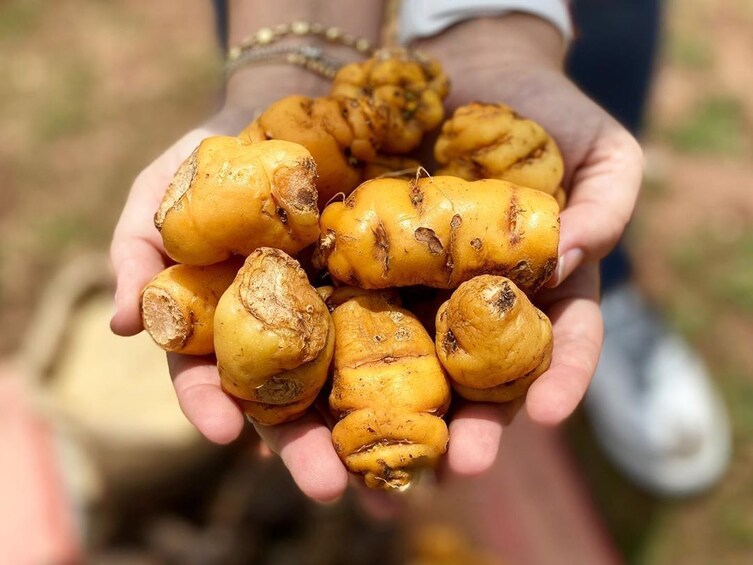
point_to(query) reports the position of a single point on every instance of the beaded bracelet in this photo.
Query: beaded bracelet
(258, 49)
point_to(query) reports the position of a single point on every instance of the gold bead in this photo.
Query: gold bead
(300, 27)
(363, 45)
(264, 36)
(234, 53)
(333, 33)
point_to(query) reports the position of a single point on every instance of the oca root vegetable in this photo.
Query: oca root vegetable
(409, 85)
(274, 338)
(342, 135)
(492, 141)
(440, 232)
(491, 340)
(231, 197)
(389, 390)
(178, 305)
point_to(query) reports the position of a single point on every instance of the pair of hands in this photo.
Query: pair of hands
(604, 167)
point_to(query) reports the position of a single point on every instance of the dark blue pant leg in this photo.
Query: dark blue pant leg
(612, 60)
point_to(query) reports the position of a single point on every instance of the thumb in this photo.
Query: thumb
(604, 190)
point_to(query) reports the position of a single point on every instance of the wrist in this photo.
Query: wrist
(253, 88)
(512, 42)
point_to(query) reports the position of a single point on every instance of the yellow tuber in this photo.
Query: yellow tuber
(341, 134)
(177, 306)
(273, 337)
(491, 340)
(231, 197)
(440, 232)
(388, 391)
(492, 141)
(409, 85)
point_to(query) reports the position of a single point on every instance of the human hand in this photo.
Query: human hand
(137, 255)
(517, 60)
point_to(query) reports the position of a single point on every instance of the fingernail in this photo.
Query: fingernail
(566, 264)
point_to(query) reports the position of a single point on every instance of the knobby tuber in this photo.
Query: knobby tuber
(178, 305)
(388, 391)
(491, 340)
(231, 197)
(409, 85)
(492, 141)
(440, 232)
(273, 337)
(342, 135)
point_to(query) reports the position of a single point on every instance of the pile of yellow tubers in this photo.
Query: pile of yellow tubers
(485, 230)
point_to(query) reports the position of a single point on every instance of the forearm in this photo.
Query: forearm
(248, 16)
(485, 47)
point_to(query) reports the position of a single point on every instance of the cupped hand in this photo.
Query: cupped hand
(137, 255)
(517, 60)
(603, 166)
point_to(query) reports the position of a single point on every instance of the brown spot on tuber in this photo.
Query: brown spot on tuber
(476, 243)
(416, 194)
(294, 187)
(504, 299)
(450, 343)
(512, 220)
(382, 247)
(403, 334)
(429, 238)
(278, 390)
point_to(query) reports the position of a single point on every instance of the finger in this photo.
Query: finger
(604, 190)
(135, 262)
(305, 447)
(202, 399)
(136, 253)
(578, 333)
(380, 505)
(475, 432)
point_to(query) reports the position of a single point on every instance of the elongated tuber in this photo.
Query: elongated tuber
(440, 232)
(274, 338)
(231, 197)
(492, 141)
(491, 340)
(388, 391)
(178, 305)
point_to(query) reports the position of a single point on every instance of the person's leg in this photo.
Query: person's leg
(652, 404)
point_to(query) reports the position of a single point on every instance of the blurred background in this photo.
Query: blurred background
(92, 91)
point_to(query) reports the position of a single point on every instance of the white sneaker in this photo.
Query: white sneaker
(652, 405)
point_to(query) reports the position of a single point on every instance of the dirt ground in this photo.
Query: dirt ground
(94, 90)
